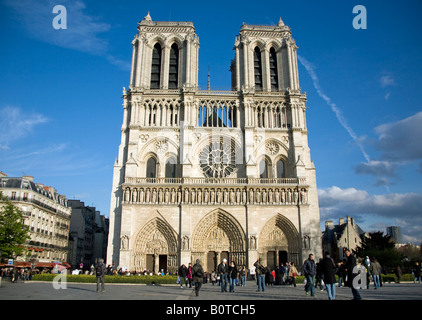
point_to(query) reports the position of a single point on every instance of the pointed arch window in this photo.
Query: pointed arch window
(171, 166)
(151, 168)
(174, 67)
(258, 68)
(263, 169)
(273, 70)
(281, 169)
(156, 67)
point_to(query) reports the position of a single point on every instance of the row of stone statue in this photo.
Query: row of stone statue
(200, 195)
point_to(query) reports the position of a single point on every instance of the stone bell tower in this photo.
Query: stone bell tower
(165, 55)
(266, 59)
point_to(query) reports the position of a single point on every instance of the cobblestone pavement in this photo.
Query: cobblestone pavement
(76, 291)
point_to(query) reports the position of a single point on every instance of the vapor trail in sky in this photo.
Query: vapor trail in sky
(310, 68)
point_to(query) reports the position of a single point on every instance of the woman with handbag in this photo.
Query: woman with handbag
(293, 273)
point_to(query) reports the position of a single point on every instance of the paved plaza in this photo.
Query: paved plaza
(33, 290)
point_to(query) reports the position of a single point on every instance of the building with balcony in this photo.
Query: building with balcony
(47, 214)
(205, 174)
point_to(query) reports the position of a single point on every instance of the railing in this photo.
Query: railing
(41, 204)
(221, 181)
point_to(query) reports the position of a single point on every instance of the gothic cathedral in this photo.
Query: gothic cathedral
(205, 174)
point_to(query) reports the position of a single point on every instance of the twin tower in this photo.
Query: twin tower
(165, 56)
(205, 174)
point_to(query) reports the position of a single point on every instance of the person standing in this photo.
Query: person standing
(183, 274)
(398, 274)
(328, 269)
(232, 275)
(223, 270)
(309, 270)
(375, 269)
(260, 275)
(213, 278)
(100, 271)
(417, 273)
(351, 274)
(244, 273)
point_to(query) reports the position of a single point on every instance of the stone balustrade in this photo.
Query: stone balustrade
(214, 195)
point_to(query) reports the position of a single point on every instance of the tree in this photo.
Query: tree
(379, 246)
(13, 232)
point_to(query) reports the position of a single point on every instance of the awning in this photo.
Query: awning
(66, 265)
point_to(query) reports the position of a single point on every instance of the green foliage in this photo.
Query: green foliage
(381, 247)
(392, 278)
(13, 232)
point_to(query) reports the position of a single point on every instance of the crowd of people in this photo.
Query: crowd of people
(25, 274)
(322, 274)
(228, 276)
(325, 274)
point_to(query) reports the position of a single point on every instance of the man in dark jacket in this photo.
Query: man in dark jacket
(183, 275)
(198, 276)
(309, 270)
(328, 269)
(351, 273)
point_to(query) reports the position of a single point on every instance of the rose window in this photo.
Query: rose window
(217, 160)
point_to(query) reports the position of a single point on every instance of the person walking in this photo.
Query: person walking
(190, 275)
(319, 278)
(351, 274)
(417, 273)
(309, 270)
(260, 275)
(223, 270)
(328, 269)
(232, 275)
(198, 276)
(183, 275)
(100, 271)
(375, 270)
(293, 274)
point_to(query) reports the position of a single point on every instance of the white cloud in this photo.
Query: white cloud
(399, 145)
(400, 140)
(377, 168)
(83, 31)
(16, 124)
(336, 202)
(387, 80)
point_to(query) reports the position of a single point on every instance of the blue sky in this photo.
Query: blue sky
(61, 108)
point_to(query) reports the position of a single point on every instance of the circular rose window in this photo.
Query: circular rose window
(217, 160)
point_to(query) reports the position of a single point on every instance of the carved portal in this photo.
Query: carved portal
(279, 238)
(155, 241)
(217, 234)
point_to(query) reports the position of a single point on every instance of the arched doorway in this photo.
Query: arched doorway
(279, 242)
(217, 236)
(155, 248)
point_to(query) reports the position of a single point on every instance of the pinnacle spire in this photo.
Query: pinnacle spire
(148, 17)
(280, 23)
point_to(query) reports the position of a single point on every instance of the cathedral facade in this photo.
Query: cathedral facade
(205, 174)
